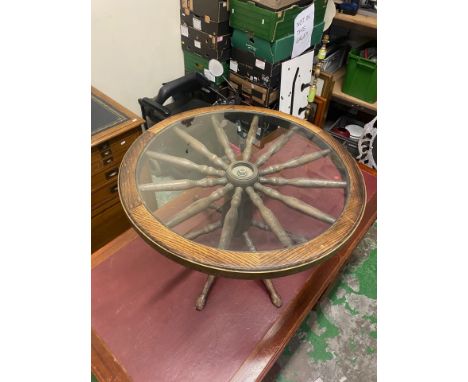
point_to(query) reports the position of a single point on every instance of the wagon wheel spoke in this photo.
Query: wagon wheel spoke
(185, 163)
(201, 148)
(303, 182)
(295, 237)
(275, 147)
(269, 218)
(295, 162)
(296, 204)
(230, 220)
(250, 139)
(182, 184)
(222, 138)
(203, 231)
(274, 296)
(199, 205)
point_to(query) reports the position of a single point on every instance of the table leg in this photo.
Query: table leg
(274, 296)
(201, 300)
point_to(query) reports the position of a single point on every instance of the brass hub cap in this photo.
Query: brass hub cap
(242, 174)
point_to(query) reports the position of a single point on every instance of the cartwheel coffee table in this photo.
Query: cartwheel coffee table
(202, 190)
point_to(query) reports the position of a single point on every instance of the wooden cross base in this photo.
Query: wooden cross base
(201, 300)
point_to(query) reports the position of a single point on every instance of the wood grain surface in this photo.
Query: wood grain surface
(237, 264)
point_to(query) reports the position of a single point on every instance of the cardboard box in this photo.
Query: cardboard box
(252, 93)
(215, 11)
(203, 23)
(195, 63)
(204, 44)
(271, 52)
(246, 64)
(277, 5)
(268, 24)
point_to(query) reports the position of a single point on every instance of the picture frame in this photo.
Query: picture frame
(319, 115)
(325, 84)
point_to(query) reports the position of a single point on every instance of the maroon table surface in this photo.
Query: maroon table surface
(146, 328)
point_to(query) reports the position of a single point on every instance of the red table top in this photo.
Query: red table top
(143, 310)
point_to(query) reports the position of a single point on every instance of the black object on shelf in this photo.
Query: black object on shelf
(349, 7)
(189, 92)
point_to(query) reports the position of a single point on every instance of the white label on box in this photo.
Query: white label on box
(260, 64)
(184, 30)
(197, 23)
(197, 44)
(303, 26)
(209, 75)
(233, 65)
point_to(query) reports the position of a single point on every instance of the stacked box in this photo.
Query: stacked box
(196, 63)
(205, 34)
(254, 94)
(263, 38)
(204, 44)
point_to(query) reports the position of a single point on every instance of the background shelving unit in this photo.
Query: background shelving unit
(339, 96)
(361, 25)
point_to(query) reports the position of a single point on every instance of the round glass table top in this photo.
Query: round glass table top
(241, 191)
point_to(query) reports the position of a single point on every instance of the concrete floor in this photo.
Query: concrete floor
(337, 341)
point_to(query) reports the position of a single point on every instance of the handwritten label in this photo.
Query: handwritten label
(184, 30)
(197, 44)
(303, 27)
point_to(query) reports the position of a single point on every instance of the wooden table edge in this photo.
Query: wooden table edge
(104, 365)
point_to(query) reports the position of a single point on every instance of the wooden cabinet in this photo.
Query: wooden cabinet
(115, 129)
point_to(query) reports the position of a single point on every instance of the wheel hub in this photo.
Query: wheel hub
(242, 173)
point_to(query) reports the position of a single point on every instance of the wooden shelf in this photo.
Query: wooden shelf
(339, 95)
(359, 20)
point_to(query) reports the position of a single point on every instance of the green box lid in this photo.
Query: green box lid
(271, 52)
(268, 24)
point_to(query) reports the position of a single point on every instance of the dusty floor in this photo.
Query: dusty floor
(337, 342)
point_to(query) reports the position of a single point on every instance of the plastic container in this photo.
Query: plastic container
(337, 130)
(361, 76)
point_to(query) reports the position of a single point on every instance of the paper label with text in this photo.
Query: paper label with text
(303, 27)
(209, 75)
(197, 23)
(260, 64)
(233, 65)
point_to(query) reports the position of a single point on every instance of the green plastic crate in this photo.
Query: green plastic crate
(268, 24)
(271, 52)
(361, 77)
(195, 63)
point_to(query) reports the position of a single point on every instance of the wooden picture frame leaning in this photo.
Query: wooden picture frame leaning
(319, 115)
